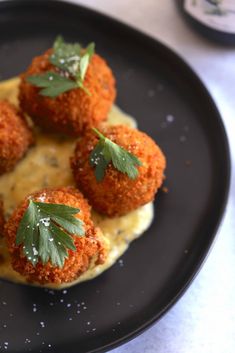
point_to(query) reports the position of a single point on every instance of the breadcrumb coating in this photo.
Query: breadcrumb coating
(117, 194)
(2, 218)
(15, 136)
(91, 247)
(73, 111)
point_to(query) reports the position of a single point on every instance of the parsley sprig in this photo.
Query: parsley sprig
(107, 151)
(46, 231)
(71, 61)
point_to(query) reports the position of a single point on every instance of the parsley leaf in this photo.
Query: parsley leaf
(52, 83)
(46, 232)
(84, 62)
(72, 61)
(107, 151)
(66, 56)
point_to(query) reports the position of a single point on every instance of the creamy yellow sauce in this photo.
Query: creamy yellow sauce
(47, 165)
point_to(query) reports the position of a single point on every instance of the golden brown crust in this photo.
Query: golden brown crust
(73, 111)
(2, 218)
(15, 136)
(117, 194)
(89, 247)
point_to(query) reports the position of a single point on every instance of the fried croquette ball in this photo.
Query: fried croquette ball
(91, 248)
(117, 194)
(75, 110)
(15, 136)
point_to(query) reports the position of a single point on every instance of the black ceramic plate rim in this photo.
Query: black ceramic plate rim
(224, 140)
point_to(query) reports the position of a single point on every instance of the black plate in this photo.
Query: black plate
(156, 86)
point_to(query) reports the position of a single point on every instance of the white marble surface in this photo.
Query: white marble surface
(204, 319)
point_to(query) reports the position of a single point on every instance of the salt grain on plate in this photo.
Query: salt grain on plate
(120, 263)
(170, 118)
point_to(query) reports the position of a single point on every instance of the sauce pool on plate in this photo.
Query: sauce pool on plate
(47, 165)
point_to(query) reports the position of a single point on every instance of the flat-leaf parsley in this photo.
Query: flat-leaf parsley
(107, 151)
(71, 62)
(46, 231)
